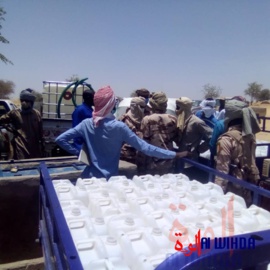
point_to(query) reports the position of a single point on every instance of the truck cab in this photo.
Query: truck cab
(6, 106)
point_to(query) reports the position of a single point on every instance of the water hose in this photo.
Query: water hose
(75, 84)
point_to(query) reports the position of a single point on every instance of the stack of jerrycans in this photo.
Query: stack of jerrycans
(134, 224)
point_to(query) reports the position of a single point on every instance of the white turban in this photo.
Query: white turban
(208, 107)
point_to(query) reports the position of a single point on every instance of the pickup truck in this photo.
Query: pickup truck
(20, 210)
(6, 106)
(52, 127)
(59, 100)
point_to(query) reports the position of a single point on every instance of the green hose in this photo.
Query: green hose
(81, 82)
(76, 83)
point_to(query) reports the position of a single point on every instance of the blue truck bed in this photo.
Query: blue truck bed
(60, 252)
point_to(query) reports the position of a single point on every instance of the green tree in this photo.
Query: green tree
(3, 39)
(6, 89)
(264, 95)
(211, 91)
(253, 91)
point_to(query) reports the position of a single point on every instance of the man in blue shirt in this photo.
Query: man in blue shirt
(104, 137)
(82, 112)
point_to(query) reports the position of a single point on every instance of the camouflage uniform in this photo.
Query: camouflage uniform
(129, 153)
(236, 148)
(27, 133)
(232, 158)
(159, 130)
(193, 136)
(145, 94)
(194, 132)
(133, 120)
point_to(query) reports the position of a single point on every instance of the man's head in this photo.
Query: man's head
(27, 99)
(208, 102)
(143, 93)
(158, 102)
(183, 111)
(183, 104)
(234, 111)
(138, 101)
(238, 112)
(88, 97)
(208, 107)
(105, 101)
(137, 107)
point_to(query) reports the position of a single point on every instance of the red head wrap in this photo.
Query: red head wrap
(104, 101)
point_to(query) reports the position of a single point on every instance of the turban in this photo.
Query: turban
(208, 107)
(185, 105)
(138, 101)
(208, 103)
(27, 95)
(158, 102)
(104, 100)
(143, 92)
(237, 109)
(137, 106)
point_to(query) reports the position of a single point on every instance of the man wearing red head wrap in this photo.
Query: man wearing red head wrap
(104, 101)
(104, 136)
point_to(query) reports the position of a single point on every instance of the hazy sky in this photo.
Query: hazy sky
(175, 46)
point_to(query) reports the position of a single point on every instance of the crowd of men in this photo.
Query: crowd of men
(146, 135)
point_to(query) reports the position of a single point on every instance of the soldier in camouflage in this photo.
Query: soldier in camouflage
(236, 148)
(133, 120)
(143, 92)
(192, 131)
(158, 129)
(193, 135)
